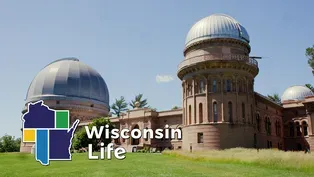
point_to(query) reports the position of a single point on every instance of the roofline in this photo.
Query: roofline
(170, 110)
(269, 100)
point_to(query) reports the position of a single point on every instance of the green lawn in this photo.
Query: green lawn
(138, 165)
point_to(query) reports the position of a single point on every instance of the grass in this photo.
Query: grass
(233, 163)
(271, 158)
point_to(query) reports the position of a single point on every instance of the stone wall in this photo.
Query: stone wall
(218, 136)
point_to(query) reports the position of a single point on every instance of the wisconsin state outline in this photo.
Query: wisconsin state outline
(39, 115)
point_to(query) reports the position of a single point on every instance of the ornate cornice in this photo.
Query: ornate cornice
(217, 42)
(218, 64)
(76, 108)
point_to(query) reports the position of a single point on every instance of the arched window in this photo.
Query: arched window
(202, 86)
(190, 115)
(214, 86)
(133, 140)
(277, 126)
(268, 126)
(230, 111)
(258, 122)
(304, 129)
(298, 129)
(200, 112)
(228, 85)
(291, 127)
(215, 112)
(243, 112)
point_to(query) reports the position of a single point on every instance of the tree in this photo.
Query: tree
(275, 97)
(81, 140)
(8, 143)
(310, 87)
(138, 98)
(309, 53)
(154, 109)
(175, 107)
(119, 106)
(1, 149)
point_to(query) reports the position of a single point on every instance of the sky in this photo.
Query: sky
(137, 45)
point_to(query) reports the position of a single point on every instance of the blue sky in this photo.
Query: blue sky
(131, 42)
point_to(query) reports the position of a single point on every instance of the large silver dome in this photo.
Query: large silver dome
(216, 26)
(295, 93)
(68, 79)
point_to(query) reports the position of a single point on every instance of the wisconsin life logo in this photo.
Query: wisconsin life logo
(50, 131)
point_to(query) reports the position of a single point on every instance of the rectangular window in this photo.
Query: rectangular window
(202, 86)
(228, 85)
(199, 137)
(214, 86)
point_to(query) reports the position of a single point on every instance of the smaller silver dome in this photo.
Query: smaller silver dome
(295, 93)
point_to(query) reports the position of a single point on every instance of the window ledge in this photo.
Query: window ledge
(200, 94)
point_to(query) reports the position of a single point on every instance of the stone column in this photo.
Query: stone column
(206, 102)
(209, 100)
(185, 102)
(310, 115)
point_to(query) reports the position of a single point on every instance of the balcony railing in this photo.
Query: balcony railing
(217, 57)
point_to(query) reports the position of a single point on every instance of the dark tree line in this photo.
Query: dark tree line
(9, 143)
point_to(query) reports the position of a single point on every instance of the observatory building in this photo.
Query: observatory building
(220, 107)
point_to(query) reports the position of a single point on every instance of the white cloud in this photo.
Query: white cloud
(163, 78)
